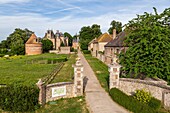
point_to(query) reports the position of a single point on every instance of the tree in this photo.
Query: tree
(88, 33)
(70, 38)
(115, 25)
(47, 45)
(149, 47)
(3, 44)
(16, 41)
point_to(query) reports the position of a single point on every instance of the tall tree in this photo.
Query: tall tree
(88, 33)
(115, 25)
(149, 47)
(16, 41)
(47, 45)
(70, 38)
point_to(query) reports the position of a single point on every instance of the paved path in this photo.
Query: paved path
(97, 98)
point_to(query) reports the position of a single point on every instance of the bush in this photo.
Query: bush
(155, 103)
(56, 60)
(1, 55)
(86, 52)
(18, 98)
(72, 49)
(130, 102)
(142, 96)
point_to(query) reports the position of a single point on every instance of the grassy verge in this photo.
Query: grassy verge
(100, 69)
(16, 70)
(67, 72)
(101, 72)
(72, 105)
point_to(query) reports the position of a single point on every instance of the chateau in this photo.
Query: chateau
(58, 39)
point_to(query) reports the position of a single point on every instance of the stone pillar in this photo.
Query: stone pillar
(166, 99)
(42, 92)
(78, 78)
(114, 70)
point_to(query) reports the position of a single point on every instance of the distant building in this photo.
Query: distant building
(90, 45)
(75, 43)
(114, 47)
(33, 46)
(100, 42)
(58, 39)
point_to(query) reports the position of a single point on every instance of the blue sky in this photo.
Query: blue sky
(70, 15)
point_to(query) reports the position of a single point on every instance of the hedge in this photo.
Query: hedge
(56, 60)
(130, 102)
(86, 52)
(17, 98)
(155, 103)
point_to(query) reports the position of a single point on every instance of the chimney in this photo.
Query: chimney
(114, 34)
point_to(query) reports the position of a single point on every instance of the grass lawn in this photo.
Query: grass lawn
(67, 72)
(100, 69)
(72, 105)
(15, 69)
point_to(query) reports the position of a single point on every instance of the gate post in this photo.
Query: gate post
(78, 78)
(114, 70)
(42, 93)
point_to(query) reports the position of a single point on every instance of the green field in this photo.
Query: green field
(72, 105)
(100, 69)
(67, 72)
(16, 70)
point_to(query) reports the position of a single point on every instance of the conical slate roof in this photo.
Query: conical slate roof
(32, 39)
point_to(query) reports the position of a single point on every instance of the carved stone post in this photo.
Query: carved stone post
(78, 78)
(114, 70)
(42, 93)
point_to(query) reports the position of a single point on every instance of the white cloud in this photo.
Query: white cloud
(40, 24)
(12, 1)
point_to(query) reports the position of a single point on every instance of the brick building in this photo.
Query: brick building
(33, 46)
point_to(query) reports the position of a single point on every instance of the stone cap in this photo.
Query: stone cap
(40, 82)
(78, 63)
(114, 65)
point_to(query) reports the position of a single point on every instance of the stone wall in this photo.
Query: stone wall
(65, 50)
(129, 86)
(158, 88)
(68, 87)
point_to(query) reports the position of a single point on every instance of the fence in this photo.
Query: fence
(50, 92)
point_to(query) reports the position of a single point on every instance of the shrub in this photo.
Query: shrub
(154, 103)
(18, 98)
(130, 102)
(1, 55)
(56, 60)
(86, 52)
(72, 49)
(142, 96)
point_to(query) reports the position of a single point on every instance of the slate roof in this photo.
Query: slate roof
(118, 41)
(103, 38)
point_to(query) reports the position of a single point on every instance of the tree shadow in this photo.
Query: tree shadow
(107, 80)
(85, 79)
